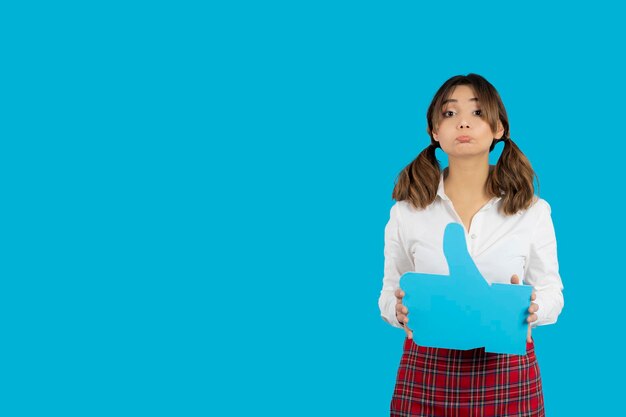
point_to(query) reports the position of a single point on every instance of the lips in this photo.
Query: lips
(463, 139)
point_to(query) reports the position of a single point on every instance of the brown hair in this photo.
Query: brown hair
(511, 178)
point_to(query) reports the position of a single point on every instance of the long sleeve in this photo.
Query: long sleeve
(397, 262)
(542, 269)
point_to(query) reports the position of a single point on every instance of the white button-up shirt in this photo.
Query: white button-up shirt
(500, 245)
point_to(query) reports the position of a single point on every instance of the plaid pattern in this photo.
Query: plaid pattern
(466, 383)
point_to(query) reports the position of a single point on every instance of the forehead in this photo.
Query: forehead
(461, 94)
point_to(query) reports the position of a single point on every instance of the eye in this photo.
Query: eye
(448, 113)
(478, 112)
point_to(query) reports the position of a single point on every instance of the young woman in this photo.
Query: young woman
(509, 234)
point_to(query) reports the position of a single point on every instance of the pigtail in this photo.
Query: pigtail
(512, 179)
(418, 182)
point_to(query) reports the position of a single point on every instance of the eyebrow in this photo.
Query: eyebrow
(451, 100)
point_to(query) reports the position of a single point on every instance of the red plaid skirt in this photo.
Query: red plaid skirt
(463, 383)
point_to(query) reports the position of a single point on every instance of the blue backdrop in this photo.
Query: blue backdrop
(194, 196)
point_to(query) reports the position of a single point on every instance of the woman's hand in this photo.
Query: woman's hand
(402, 313)
(532, 309)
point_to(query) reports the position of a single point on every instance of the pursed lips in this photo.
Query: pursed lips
(463, 139)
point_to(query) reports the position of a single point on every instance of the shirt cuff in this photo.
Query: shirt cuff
(544, 314)
(388, 309)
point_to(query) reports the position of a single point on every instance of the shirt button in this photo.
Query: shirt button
(473, 236)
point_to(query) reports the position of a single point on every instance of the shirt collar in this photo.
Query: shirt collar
(440, 191)
(442, 194)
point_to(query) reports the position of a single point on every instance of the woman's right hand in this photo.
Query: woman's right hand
(402, 313)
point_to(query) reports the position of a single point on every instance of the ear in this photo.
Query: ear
(435, 135)
(498, 134)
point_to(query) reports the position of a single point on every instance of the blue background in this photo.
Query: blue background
(194, 195)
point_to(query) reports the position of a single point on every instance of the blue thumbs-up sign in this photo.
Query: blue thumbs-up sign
(462, 310)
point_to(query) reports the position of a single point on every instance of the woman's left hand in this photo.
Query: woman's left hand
(531, 310)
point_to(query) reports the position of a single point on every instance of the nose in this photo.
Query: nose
(463, 124)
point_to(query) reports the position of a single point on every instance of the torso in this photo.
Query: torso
(498, 244)
(467, 210)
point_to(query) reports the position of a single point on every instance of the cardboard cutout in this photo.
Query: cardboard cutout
(462, 310)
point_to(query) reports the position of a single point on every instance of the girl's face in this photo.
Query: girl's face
(463, 131)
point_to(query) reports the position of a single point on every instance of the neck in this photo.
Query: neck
(467, 178)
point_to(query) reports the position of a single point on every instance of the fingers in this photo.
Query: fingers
(402, 318)
(401, 310)
(532, 310)
(409, 332)
(404, 321)
(402, 313)
(533, 307)
(529, 338)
